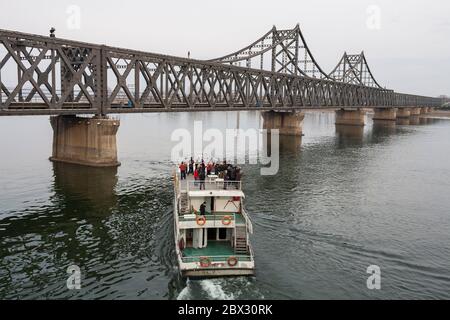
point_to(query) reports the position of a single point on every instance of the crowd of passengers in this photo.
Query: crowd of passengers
(200, 170)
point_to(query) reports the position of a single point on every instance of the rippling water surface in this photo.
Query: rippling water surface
(344, 199)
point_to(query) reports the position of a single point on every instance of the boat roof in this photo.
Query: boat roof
(216, 193)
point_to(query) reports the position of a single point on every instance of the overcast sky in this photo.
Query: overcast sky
(407, 43)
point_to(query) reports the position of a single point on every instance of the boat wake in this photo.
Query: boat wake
(214, 290)
(186, 293)
(220, 289)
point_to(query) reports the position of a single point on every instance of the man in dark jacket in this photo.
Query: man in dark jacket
(191, 166)
(202, 176)
(203, 209)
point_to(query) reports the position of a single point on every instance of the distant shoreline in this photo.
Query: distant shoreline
(436, 113)
(440, 113)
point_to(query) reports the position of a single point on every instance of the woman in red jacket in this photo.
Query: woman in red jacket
(196, 175)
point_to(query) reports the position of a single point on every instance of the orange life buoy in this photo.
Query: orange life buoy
(226, 221)
(201, 220)
(232, 261)
(205, 262)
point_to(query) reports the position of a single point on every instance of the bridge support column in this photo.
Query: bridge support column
(385, 114)
(414, 120)
(85, 141)
(350, 117)
(403, 112)
(404, 121)
(415, 111)
(289, 123)
(423, 110)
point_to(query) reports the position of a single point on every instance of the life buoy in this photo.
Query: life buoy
(227, 220)
(201, 220)
(205, 262)
(236, 198)
(232, 261)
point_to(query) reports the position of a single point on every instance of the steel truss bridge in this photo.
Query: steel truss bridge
(48, 75)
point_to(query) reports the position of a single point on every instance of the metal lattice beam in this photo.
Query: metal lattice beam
(354, 69)
(45, 75)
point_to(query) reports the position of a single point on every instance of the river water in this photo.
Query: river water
(343, 200)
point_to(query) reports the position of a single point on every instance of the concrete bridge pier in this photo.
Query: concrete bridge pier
(85, 141)
(415, 111)
(385, 114)
(423, 110)
(404, 121)
(414, 120)
(350, 117)
(289, 123)
(403, 113)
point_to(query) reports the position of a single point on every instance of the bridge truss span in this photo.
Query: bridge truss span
(46, 75)
(280, 51)
(354, 69)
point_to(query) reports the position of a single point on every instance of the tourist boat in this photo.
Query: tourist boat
(215, 244)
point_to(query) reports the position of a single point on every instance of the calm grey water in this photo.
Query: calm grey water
(343, 200)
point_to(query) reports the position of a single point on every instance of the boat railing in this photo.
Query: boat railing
(248, 221)
(218, 219)
(250, 250)
(211, 184)
(177, 183)
(223, 259)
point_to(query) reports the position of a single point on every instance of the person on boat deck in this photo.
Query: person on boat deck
(209, 168)
(196, 175)
(183, 168)
(191, 166)
(225, 179)
(202, 177)
(203, 209)
(238, 176)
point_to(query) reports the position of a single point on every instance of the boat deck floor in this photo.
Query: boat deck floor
(214, 248)
(184, 183)
(215, 251)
